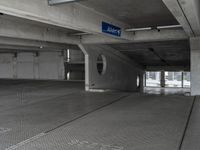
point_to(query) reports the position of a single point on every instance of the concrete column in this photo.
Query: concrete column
(142, 81)
(36, 66)
(61, 68)
(145, 80)
(195, 66)
(182, 78)
(87, 66)
(15, 66)
(162, 79)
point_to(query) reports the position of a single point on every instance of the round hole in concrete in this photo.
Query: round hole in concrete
(138, 81)
(101, 64)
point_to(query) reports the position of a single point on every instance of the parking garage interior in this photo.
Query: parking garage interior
(99, 75)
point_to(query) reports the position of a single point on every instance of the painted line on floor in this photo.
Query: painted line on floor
(187, 123)
(26, 141)
(14, 147)
(115, 101)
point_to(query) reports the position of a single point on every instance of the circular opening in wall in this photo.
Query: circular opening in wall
(101, 64)
(138, 81)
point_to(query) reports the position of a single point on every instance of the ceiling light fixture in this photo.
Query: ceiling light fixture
(169, 27)
(56, 2)
(79, 34)
(138, 29)
(152, 28)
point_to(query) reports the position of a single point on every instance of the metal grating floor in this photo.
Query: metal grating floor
(137, 122)
(37, 110)
(192, 136)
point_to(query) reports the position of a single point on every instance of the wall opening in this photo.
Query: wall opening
(74, 65)
(101, 64)
(153, 79)
(186, 80)
(138, 81)
(172, 79)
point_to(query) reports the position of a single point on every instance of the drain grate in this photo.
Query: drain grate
(4, 130)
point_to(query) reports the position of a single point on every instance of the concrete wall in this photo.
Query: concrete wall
(26, 65)
(195, 66)
(6, 66)
(120, 74)
(51, 66)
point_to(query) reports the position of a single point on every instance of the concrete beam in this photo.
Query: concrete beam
(139, 36)
(80, 18)
(22, 30)
(167, 68)
(16, 43)
(13, 48)
(191, 9)
(187, 14)
(71, 16)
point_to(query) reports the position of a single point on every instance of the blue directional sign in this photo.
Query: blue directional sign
(111, 29)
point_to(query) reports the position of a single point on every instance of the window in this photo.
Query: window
(173, 79)
(138, 81)
(153, 79)
(186, 79)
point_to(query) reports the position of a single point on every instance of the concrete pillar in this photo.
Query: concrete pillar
(162, 79)
(61, 68)
(15, 66)
(142, 81)
(195, 66)
(87, 66)
(145, 80)
(182, 78)
(36, 66)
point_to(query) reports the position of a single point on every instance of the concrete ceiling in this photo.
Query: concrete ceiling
(48, 26)
(10, 44)
(137, 13)
(170, 53)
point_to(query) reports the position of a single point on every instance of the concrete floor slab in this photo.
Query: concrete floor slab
(15, 93)
(192, 136)
(46, 108)
(167, 91)
(135, 123)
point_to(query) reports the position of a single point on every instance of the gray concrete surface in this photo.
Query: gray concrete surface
(128, 12)
(134, 123)
(195, 66)
(31, 107)
(192, 135)
(175, 53)
(166, 91)
(60, 115)
(39, 115)
(26, 65)
(187, 14)
(120, 72)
